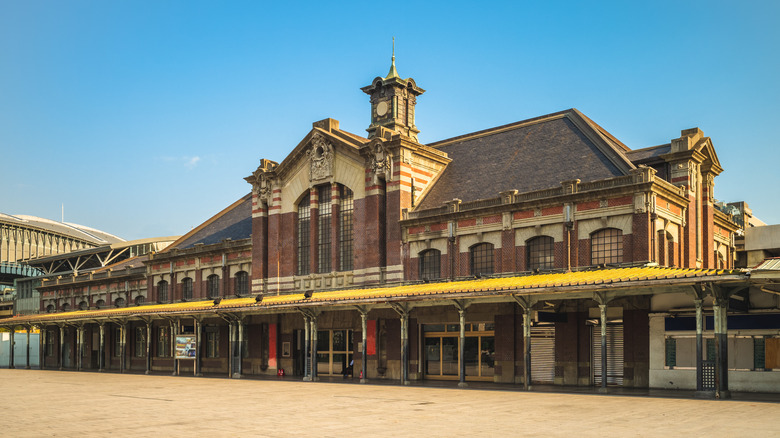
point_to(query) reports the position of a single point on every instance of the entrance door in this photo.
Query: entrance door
(614, 354)
(334, 352)
(442, 346)
(543, 354)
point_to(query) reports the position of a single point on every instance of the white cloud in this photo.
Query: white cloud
(191, 162)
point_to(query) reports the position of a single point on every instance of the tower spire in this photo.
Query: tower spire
(393, 73)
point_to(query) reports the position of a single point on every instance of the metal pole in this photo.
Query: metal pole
(364, 352)
(314, 349)
(405, 347)
(527, 347)
(699, 331)
(79, 345)
(122, 345)
(42, 347)
(61, 356)
(11, 350)
(102, 349)
(232, 358)
(603, 309)
(306, 349)
(240, 344)
(198, 330)
(173, 348)
(462, 349)
(27, 364)
(149, 347)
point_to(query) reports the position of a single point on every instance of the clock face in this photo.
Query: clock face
(381, 108)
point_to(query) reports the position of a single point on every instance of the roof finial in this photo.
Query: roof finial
(392, 73)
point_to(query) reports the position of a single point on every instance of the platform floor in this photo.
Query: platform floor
(67, 403)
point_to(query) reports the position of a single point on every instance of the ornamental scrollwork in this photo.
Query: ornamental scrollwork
(321, 158)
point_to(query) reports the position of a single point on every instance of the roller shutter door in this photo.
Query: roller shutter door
(614, 354)
(542, 354)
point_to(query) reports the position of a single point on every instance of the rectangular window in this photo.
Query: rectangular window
(164, 342)
(212, 342)
(759, 362)
(304, 219)
(345, 229)
(140, 342)
(671, 352)
(710, 347)
(323, 230)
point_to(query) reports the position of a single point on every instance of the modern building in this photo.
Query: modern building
(540, 252)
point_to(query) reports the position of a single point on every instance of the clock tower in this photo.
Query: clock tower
(392, 104)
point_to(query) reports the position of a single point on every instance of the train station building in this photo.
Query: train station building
(540, 252)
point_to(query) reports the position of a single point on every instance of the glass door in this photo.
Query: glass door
(334, 352)
(441, 344)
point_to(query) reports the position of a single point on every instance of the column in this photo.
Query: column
(198, 337)
(11, 350)
(720, 309)
(148, 347)
(314, 349)
(699, 330)
(27, 364)
(364, 352)
(102, 349)
(42, 348)
(527, 347)
(240, 347)
(122, 346)
(232, 348)
(306, 349)
(405, 347)
(61, 356)
(462, 349)
(79, 346)
(603, 309)
(173, 348)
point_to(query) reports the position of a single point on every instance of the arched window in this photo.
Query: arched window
(83, 305)
(100, 304)
(140, 300)
(50, 308)
(323, 229)
(481, 259)
(186, 289)
(119, 302)
(345, 229)
(66, 307)
(242, 283)
(212, 286)
(162, 291)
(430, 264)
(541, 253)
(606, 246)
(304, 218)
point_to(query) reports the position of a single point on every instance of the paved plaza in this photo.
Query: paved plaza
(65, 404)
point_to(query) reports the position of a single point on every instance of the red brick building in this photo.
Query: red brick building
(461, 259)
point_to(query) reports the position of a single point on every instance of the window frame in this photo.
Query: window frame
(540, 253)
(429, 264)
(162, 291)
(606, 246)
(483, 253)
(212, 287)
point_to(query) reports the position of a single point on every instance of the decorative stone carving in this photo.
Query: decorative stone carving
(321, 158)
(262, 179)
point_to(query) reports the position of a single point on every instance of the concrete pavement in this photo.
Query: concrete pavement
(88, 404)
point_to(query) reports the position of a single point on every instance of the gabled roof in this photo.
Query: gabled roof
(234, 222)
(529, 155)
(646, 155)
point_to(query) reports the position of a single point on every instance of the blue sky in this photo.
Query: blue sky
(143, 117)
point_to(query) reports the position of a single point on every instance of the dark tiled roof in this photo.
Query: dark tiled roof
(234, 222)
(648, 154)
(535, 154)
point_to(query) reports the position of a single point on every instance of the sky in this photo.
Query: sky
(142, 118)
